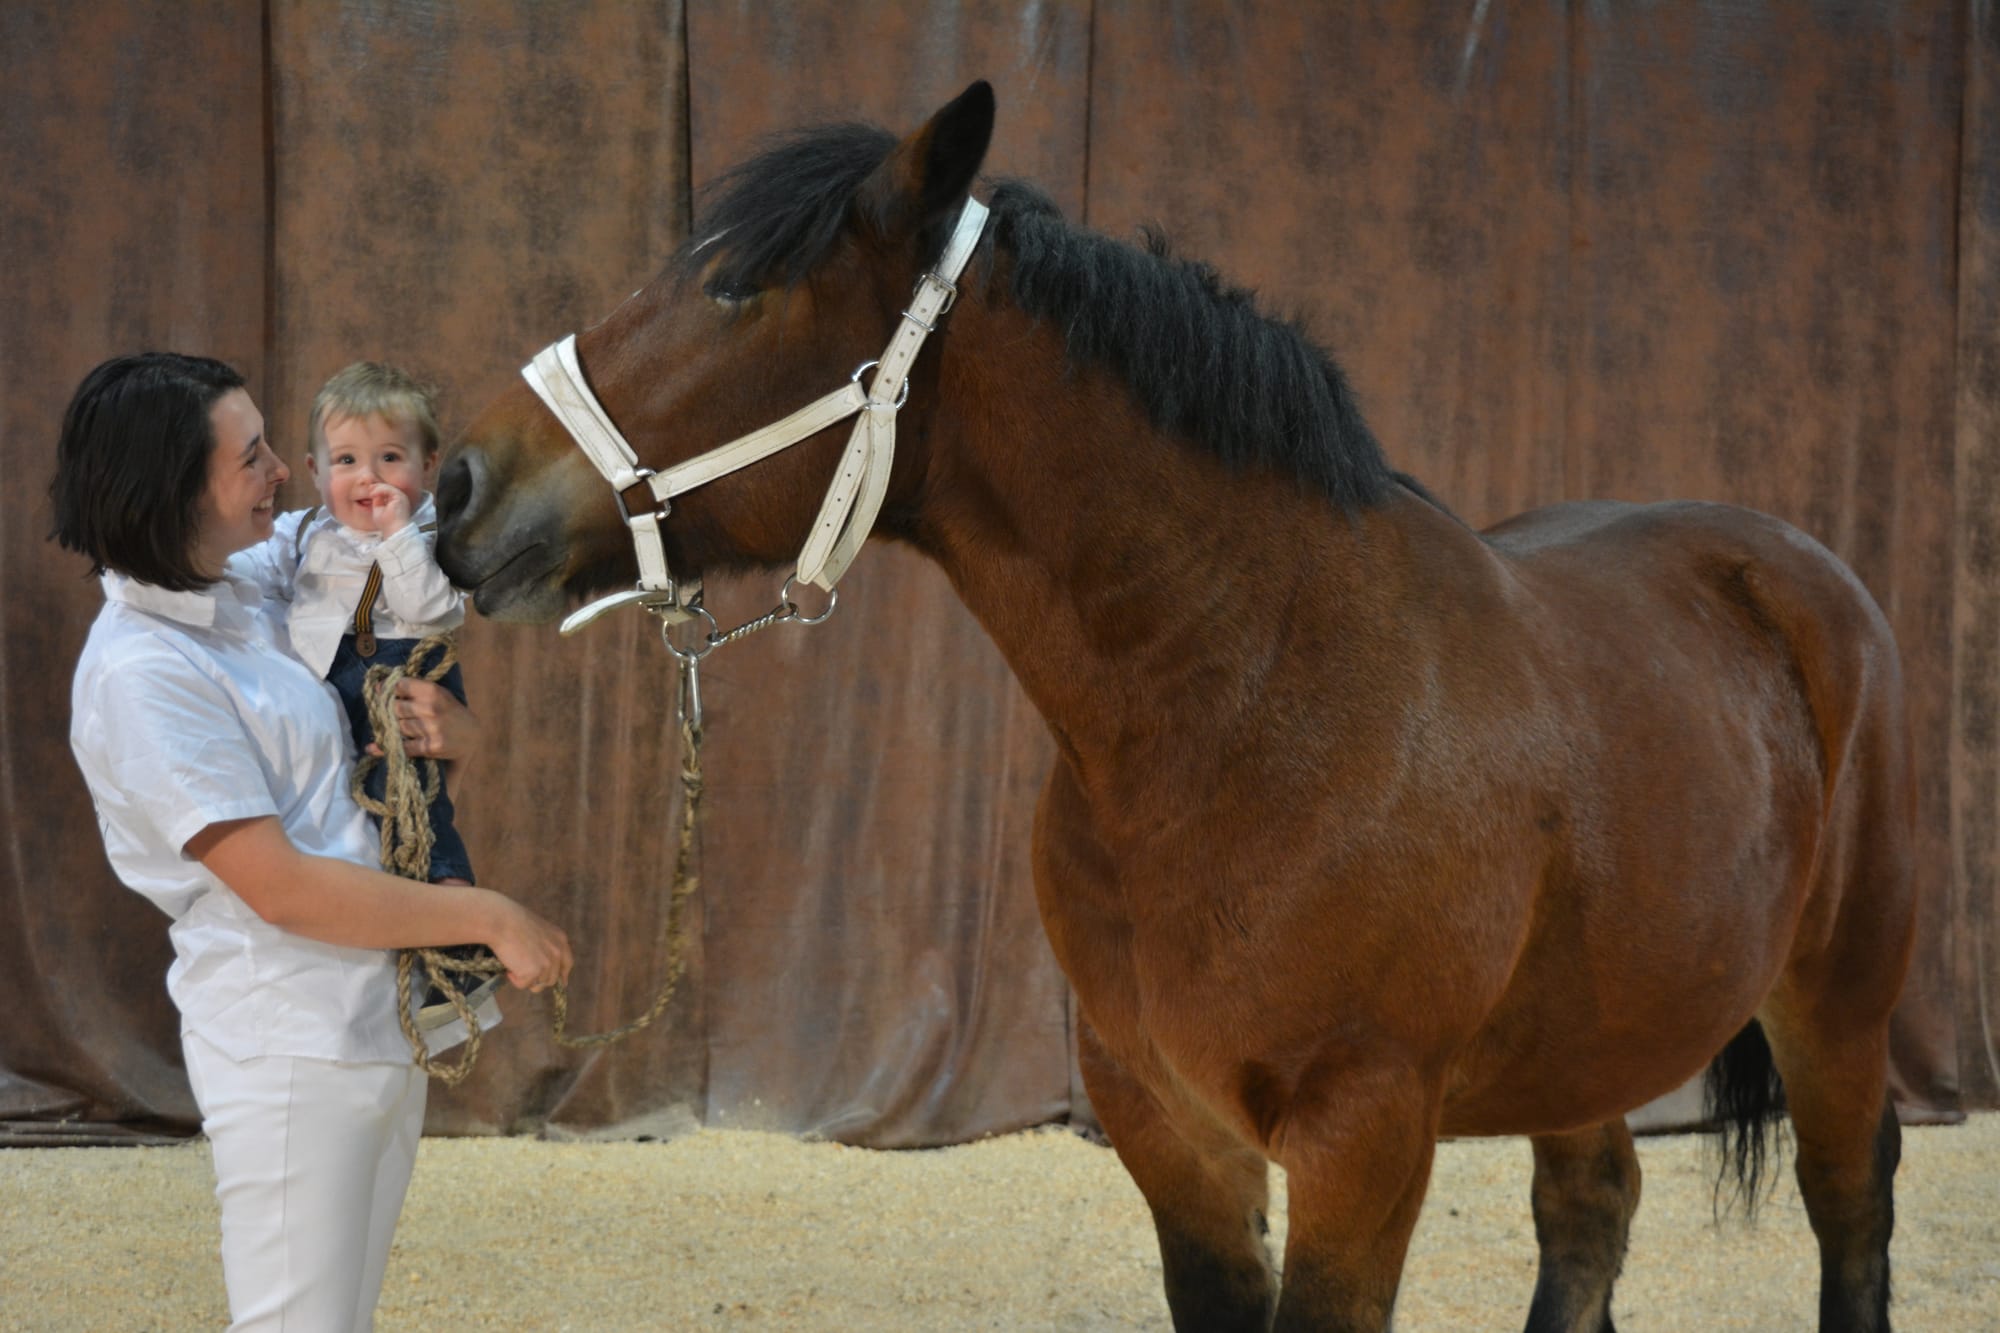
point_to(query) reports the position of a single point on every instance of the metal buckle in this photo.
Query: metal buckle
(902, 395)
(672, 605)
(950, 291)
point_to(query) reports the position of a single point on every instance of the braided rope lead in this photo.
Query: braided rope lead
(412, 783)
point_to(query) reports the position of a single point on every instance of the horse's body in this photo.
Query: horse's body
(1364, 827)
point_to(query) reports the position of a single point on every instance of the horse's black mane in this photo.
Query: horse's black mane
(1198, 356)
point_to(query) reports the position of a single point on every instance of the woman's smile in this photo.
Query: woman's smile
(239, 506)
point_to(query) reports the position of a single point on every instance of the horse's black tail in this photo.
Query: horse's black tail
(1743, 1099)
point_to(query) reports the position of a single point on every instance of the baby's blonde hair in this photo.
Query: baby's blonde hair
(375, 389)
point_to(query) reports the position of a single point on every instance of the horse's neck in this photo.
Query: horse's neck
(1148, 599)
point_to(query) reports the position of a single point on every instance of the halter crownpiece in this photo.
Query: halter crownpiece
(859, 484)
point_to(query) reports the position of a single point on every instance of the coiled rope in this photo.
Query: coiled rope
(412, 783)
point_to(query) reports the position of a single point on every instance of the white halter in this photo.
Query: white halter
(859, 484)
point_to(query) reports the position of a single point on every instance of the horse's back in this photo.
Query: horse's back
(1784, 587)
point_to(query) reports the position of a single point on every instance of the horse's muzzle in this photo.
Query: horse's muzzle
(504, 559)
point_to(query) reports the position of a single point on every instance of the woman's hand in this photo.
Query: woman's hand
(535, 952)
(435, 725)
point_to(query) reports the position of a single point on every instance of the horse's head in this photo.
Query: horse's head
(798, 272)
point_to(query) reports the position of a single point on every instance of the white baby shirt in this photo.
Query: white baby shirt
(321, 567)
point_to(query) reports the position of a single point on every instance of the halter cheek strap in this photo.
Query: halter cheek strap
(860, 482)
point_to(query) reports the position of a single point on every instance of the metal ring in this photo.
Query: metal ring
(785, 599)
(708, 640)
(866, 366)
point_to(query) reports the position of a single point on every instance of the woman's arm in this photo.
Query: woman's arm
(338, 902)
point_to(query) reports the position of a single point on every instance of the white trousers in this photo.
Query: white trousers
(312, 1159)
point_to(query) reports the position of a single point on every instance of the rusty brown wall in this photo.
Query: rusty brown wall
(1973, 761)
(133, 215)
(1701, 250)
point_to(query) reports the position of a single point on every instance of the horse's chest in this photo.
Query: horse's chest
(1161, 937)
(1161, 988)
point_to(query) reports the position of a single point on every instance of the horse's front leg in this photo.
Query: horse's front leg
(1207, 1192)
(1357, 1160)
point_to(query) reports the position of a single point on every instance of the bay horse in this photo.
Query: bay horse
(1364, 827)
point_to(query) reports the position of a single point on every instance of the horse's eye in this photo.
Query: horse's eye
(729, 293)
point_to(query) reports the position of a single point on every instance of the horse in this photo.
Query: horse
(1363, 827)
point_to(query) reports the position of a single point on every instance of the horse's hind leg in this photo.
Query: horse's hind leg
(1207, 1194)
(1848, 1145)
(1586, 1190)
(1827, 1026)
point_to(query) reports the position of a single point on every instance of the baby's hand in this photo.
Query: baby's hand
(390, 507)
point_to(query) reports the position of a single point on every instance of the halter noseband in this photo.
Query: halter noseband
(859, 483)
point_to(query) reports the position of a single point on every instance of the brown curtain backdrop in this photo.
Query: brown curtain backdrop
(1562, 252)
(1970, 888)
(133, 215)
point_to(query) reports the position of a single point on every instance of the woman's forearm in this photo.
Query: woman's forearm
(338, 902)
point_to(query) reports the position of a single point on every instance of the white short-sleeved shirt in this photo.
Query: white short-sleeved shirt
(321, 567)
(188, 711)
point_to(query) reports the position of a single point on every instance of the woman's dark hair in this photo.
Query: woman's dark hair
(132, 465)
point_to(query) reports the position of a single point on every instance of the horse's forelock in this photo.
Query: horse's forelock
(770, 220)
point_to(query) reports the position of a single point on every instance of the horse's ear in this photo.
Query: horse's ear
(918, 190)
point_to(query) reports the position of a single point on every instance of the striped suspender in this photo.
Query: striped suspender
(364, 610)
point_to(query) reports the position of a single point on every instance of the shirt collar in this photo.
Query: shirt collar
(221, 603)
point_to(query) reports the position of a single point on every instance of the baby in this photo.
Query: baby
(364, 585)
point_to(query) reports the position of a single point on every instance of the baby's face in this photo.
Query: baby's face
(359, 457)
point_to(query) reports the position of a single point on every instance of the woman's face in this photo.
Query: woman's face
(243, 480)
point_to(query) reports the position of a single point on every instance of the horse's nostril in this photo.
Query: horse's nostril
(454, 489)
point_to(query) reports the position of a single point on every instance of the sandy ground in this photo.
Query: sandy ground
(1032, 1231)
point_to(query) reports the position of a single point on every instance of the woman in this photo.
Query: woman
(219, 765)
